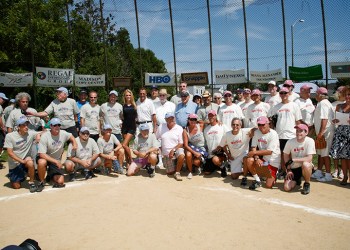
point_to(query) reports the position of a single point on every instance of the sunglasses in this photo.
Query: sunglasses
(57, 125)
(217, 98)
(92, 97)
(287, 86)
(283, 93)
(193, 119)
(227, 95)
(85, 133)
(261, 125)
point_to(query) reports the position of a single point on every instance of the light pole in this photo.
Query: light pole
(292, 30)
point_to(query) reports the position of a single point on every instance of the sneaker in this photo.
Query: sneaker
(72, 177)
(40, 187)
(150, 172)
(106, 171)
(87, 174)
(92, 174)
(189, 176)
(281, 175)
(306, 188)
(326, 178)
(198, 171)
(341, 174)
(57, 185)
(317, 174)
(244, 182)
(335, 174)
(32, 187)
(223, 172)
(177, 176)
(255, 185)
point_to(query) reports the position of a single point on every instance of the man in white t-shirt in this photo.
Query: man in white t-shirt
(51, 147)
(236, 145)
(146, 113)
(213, 134)
(274, 97)
(298, 153)
(229, 110)
(256, 109)
(306, 106)
(217, 98)
(265, 152)
(90, 116)
(323, 117)
(244, 106)
(111, 113)
(163, 106)
(85, 158)
(292, 96)
(154, 94)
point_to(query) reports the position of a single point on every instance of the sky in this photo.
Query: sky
(264, 29)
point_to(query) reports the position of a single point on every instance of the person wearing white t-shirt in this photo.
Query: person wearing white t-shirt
(323, 117)
(236, 145)
(292, 96)
(274, 97)
(229, 110)
(256, 109)
(265, 152)
(213, 134)
(306, 106)
(90, 116)
(298, 153)
(146, 112)
(217, 98)
(163, 106)
(244, 106)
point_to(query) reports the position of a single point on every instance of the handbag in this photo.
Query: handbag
(320, 143)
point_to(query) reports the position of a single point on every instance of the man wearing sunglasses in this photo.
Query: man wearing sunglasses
(18, 145)
(288, 116)
(90, 116)
(290, 85)
(85, 158)
(228, 111)
(274, 97)
(206, 107)
(51, 147)
(218, 99)
(184, 108)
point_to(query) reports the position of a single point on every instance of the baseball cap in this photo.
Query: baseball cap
(12, 101)
(113, 92)
(212, 112)
(247, 91)
(239, 90)
(322, 91)
(192, 116)
(55, 121)
(284, 89)
(262, 120)
(144, 126)
(306, 87)
(184, 93)
(84, 129)
(154, 87)
(288, 82)
(169, 114)
(227, 92)
(62, 89)
(206, 94)
(21, 121)
(340, 88)
(217, 94)
(303, 127)
(272, 83)
(83, 91)
(3, 96)
(106, 126)
(256, 92)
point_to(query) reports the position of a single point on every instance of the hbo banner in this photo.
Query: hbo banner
(160, 79)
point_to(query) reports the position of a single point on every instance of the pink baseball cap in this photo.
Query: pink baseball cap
(284, 89)
(212, 112)
(227, 92)
(192, 116)
(256, 92)
(303, 127)
(306, 87)
(262, 120)
(247, 91)
(288, 82)
(322, 91)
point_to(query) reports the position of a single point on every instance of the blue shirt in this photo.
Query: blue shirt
(183, 110)
(80, 104)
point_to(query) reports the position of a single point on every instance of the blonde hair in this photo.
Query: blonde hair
(132, 97)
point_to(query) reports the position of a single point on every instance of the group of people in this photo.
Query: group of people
(268, 139)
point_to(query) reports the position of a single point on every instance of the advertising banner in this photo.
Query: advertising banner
(230, 76)
(47, 77)
(161, 79)
(16, 80)
(196, 78)
(266, 76)
(305, 74)
(340, 69)
(89, 80)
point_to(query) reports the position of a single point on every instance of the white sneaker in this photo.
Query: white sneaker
(189, 176)
(177, 176)
(317, 174)
(326, 178)
(341, 175)
(335, 174)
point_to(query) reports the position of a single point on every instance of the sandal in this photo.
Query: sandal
(344, 182)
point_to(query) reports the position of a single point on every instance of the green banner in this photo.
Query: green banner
(305, 74)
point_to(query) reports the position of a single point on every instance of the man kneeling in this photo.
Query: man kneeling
(298, 154)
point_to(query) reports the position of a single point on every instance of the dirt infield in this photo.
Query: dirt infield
(160, 213)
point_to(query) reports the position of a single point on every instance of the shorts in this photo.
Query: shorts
(273, 171)
(128, 131)
(2, 138)
(119, 137)
(95, 137)
(53, 170)
(236, 164)
(18, 174)
(209, 166)
(297, 173)
(325, 151)
(72, 130)
(141, 161)
(77, 166)
(169, 164)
